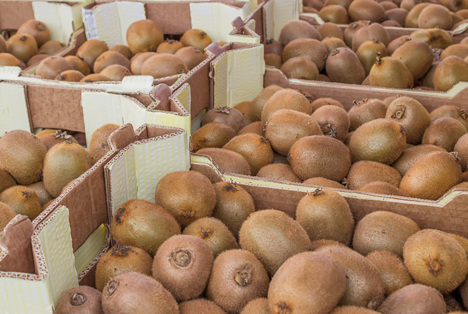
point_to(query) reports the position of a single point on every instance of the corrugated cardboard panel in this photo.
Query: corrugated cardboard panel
(283, 12)
(13, 107)
(24, 296)
(90, 249)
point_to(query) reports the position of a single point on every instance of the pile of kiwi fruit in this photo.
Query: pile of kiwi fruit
(147, 53)
(392, 146)
(36, 168)
(363, 54)
(28, 45)
(203, 247)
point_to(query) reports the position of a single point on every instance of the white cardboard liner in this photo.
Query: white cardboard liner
(13, 107)
(277, 13)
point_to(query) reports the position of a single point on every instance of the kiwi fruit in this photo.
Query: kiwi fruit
(378, 187)
(366, 10)
(273, 46)
(316, 4)
(396, 43)
(194, 197)
(37, 29)
(143, 36)
(367, 52)
(333, 121)
(170, 46)
(461, 240)
(370, 32)
(123, 50)
(51, 67)
(22, 155)
(227, 160)
(390, 72)
(44, 132)
(414, 299)
(435, 259)
(233, 205)
(275, 60)
(435, 16)
(95, 78)
(461, 148)
(257, 306)
(412, 17)
(191, 56)
(286, 126)
(296, 29)
(352, 28)
(7, 59)
(320, 156)
(278, 172)
(273, 237)
(164, 65)
(183, 264)
(311, 49)
(70, 76)
(323, 182)
(344, 3)
(320, 102)
(325, 214)
(294, 286)
(128, 221)
(259, 102)
(22, 46)
(417, 56)
(41, 192)
(388, 5)
(428, 79)
(444, 132)
(212, 135)
(3, 44)
(332, 43)
(334, 14)
(452, 112)
(440, 39)
(137, 294)
(78, 64)
(6, 215)
(458, 50)
(244, 108)
(449, 72)
(315, 245)
(80, 300)
(364, 111)
(300, 68)
(237, 278)
(22, 200)
(6, 180)
(343, 66)
(366, 171)
(285, 99)
(227, 115)
(255, 127)
(138, 60)
(120, 260)
(98, 145)
(453, 305)
(51, 47)
(90, 51)
(432, 176)
(330, 29)
(396, 14)
(196, 38)
(364, 286)
(200, 306)
(352, 310)
(391, 23)
(109, 58)
(116, 72)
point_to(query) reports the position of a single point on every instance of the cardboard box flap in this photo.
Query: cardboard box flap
(243, 33)
(91, 250)
(14, 111)
(121, 138)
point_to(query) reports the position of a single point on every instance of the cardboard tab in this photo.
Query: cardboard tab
(216, 49)
(161, 93)
(121, 138)
(9, 72)
(238, 24)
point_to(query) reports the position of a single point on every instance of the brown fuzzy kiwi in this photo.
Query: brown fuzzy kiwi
(364, 111)
(183, 265)
(323, 182)
(255, 149)
(274, 60)
(212, 135)
(330, 29)
(325, 215)
(352, 28)
(70, 76)
(461, 148)
(144, 35)
(237, 278)
(286, 126)
(391, 23)
(80, 300)
(257, 306)
(163, 65)
(22, 200)
(41, 192)
(22, 46)
(440, 39)
(456, 18)
(316, 4)
(170, 46)
(332, 43)
(78, 64)
(191, 56)
(364, 286)
(51, 67)
(412, 17)
(120, 260)
(278, 172)
(390, 72)
(137, 294)
(116, 72)
(156, 225)
(450, 71)
(196, 38)
(193, 198)
(344, 3)
(7, 59)
(300, 68)
(294, 286)
(227, 160)
(295, 29)
(244, 108)
(378, 187)
(414, 299)
(435, 259)
(6, 215)
(227, 115)
(444, 132)
(352, 310)
(255, 127)
(334, 14)
(319, 156)
(367, 52)
(396, 43)
(396, 14)
(90, 51)
(3, 44)
(432, 176)
(461, 240)
(370, 32)
(6, 180)
(51, 47)
(366, 171)
(280, 159)
(109, 58)
(463, 13)
(273, 46)
(411, 155)
(315, 245)
(95, 78)
(198, 306)
(98, 146)
(123, 50)
(428, 79)
(343, 66)
(417, 56)
(63, 163)
(285, 99)
(333, 121)
(320, 102)
(311, 49)
(138, 60)
(35, 59)
(44, 132)
(37, 29)
(452, 112)
(458, 50)
(22, 156)
(434, 16)
(273, 237)
(366, 10)
(453, 305)
(383, 231)
(259, 102)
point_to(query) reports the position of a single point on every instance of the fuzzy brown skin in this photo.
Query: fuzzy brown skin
(80, 300)
(191, 56)
(58, 137)
(444, 132)
(378, 187)
(417, 56)
(412, 17)
(296, 29)
(273, 46)
(78, 64)
(440, 39)
(259, 102)
(143, 36)
(183, 264)
(123, 50)
(278, 172)
(396, 43)
(414, 299)
(6, 180)
(212, 135)
(464, 292)
(136, 63)
(450, 71)
(255, 127)
(109, 58)
(163, 65)
(257, 306)
(372, 31)
(432, 176)
(325, 214)
(233, 205)
(379, 140)
(330, 29)
(349, 32)
(315, 245)
(390, 72)
(50, 47)
(461, 147)
(383, 231)
(343, 66)
(452, 112)
(143, 224)
(214, 232)
(320, 102)
(137, 294)
(37, 29)
(366, 10)
(51, 67)
(22, 46)
(22, 200)
(411, 155)
(193, 198)
(396, 14)
(6, 215)
(334, 14)
(116, 72)
(461, 240)
(436, 259)
(196, 38)
(229, 116)
(7, 59)
(365, 111)
(245, 108)
(453, 305)
(200, 306)
(98, 146)
(392, 269)
(333, 43)
(170, 46)
(367, 51)
(311, 49)
(227, 160)
(237, 278)
(352, 310)
(458, 50)
(120, 260)
(294, 286)
(273, 237)
(95, 78)
(322, 182)
(344, 3)
(320, 156)
(300, 68)
(435, 16)
(364, 172)
(70, 76)
(334, 121)
(41, 192)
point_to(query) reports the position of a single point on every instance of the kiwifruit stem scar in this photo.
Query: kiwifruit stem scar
(202, 35)
(318, 192)
(455, 155)
(283, 308)
(187, 213)
(225, 110)
(335, 52)
(112, 286)
(77, 299)
(40, 27)
(26, 194)
(205, 233)
(328, 130)
(121, 251)
(463, 114)
(399, 113)
(244, 275)
(118, 215)
(378, 58)
(434, 266)
(23, 38)
(182, 258)
(230, 187)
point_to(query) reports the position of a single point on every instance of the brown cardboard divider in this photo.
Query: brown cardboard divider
(13, 13)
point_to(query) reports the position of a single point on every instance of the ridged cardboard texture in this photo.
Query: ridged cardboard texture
(13, 107)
